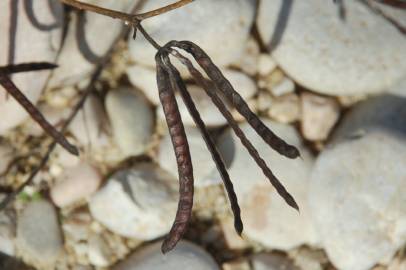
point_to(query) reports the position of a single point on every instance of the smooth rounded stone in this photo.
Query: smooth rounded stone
(29, 39)
(285, 109)
(132, 120)
(204, 169)
(75, 183)
(248, 61)
(39, 238)
(266, 64)
(222, 37)
(144, 78)
(319, 115)
(272, 262)
(358, 184)
(90, 124)
(236, 265)
(267, 218)
(87, 41)
(99, 252)
(138, 202)
(286, 86)
(7, 230)
(329, 55)
(185, 256)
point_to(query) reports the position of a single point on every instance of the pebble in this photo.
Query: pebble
(272, 262)
(185, 256)
(90, 124)
(236, 265)
(7, 230)
(266, 64)
(99, 252)
(39, 238)
(233, 240)
(319, 115)
(358, 184)
(267, 218)
(248, 61)
(87, 41)
(285, 109)
(328, 55)
(222, 37)
(204, 169)
(144, 79)
(286, 86)
(132, 121)
(30, 43)
(139, 202)
(75, 184)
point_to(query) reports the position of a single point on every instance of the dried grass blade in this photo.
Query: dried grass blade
(183, 158)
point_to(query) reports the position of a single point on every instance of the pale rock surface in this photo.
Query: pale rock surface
(236, 265)
(185, 256)
(266, 261)
(358, 184)
(132, 120)
(267, 218)
(319, 115)
(204, 168)
(99, 252)
(7, 230)
(248, 61)
(75, 184)
(88, 39)
(39, 238)
(329, 55)
(222, 37)
(285, 109)
(144, 78)
(33, 39)
(266, 64)
(139, 202)
(286, 86)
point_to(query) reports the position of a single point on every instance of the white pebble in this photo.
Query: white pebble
(285, 109)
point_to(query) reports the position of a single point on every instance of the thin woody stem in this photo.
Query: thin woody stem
(162, 10)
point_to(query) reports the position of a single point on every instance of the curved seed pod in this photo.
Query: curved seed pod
(183, 158)
(234, 98)
(36, 115)
(197, 76)
(26, 67)
(178, 84)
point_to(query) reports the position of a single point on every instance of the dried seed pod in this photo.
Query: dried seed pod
(179, 85)
(26, 67)
(235, 98)
(183, 158)
(198, 77)
(36, 114)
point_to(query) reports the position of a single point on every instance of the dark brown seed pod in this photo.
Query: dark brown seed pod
(198, 77)
(26, 67)
(222, 84)
(183, 158)
(179, 85)
(36, 114)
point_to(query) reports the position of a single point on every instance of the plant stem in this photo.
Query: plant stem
(162, 10)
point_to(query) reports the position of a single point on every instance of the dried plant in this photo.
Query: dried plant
(169, 81)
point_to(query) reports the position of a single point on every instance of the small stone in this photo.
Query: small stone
(266, 64)
(138, 202)
(185, 255)
(222, 37)
(39, 238)
(204, 170)
(286, 86)
(22, 42)
(89, 125)
(237, 265)
(264, 101)
(233, 240)
(84, 44)
(131, 119)
(358, 184)
(266, 216)
(144, 78)
(272, 262)
(285, 109)
(248, 61)
(305, 258)
(319, 115)
(75, 184)
(329, 55)
(99, 252)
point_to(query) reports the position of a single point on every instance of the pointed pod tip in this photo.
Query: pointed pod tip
(165, 248)
(238, 226)
(72, 149)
